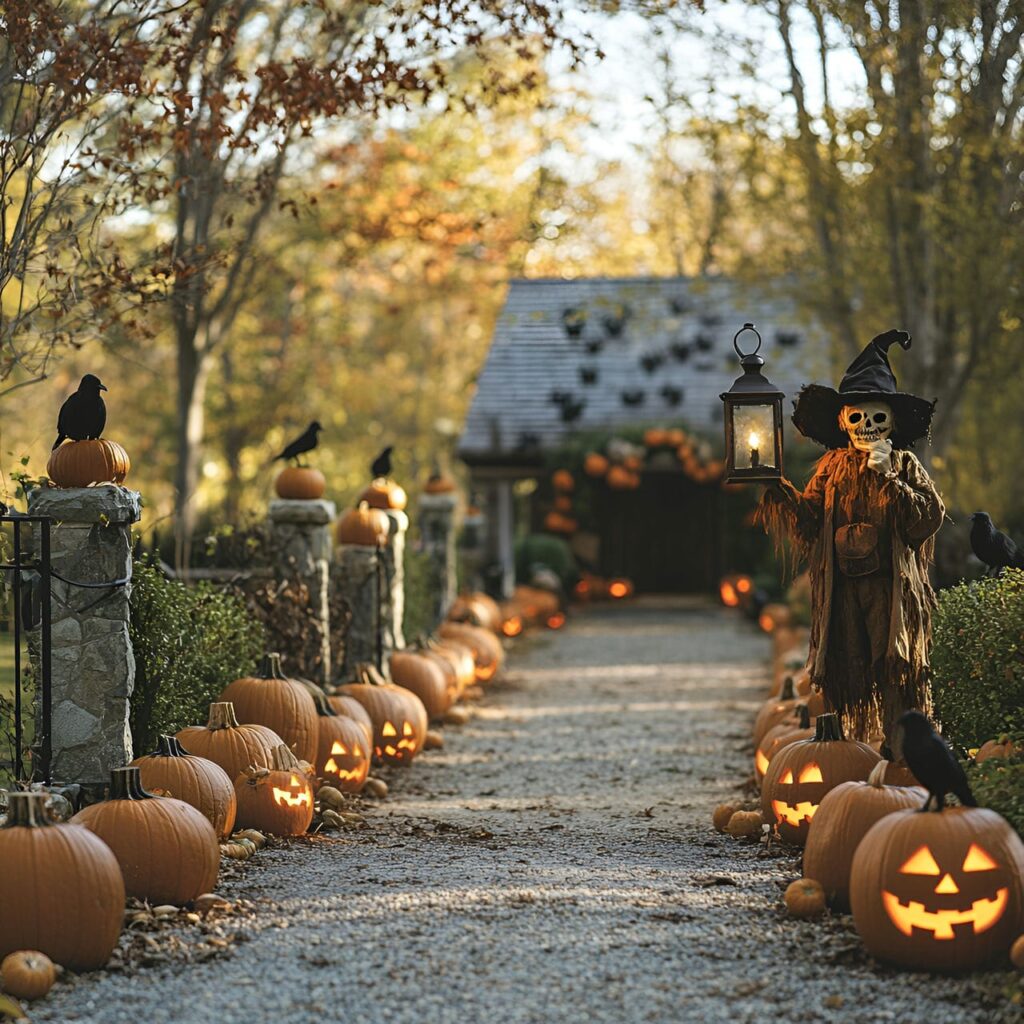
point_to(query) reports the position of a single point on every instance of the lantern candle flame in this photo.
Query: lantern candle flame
(755, 449)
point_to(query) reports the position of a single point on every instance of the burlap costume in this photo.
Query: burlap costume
(867, 540)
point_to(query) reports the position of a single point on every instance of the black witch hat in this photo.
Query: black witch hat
(869, 378)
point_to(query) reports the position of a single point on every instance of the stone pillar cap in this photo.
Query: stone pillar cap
(318, 512)
(107, 504)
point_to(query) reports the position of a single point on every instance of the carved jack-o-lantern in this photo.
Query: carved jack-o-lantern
(938, 890)
(397, 742)
(789, 730)
(398, 715)
(278, 800)
(800, 774)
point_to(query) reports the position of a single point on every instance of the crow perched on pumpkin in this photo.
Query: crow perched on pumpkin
(305, 442)
(83, 415)
(932, 761)
(992, 546)
(381, 466)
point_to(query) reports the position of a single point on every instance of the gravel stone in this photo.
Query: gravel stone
(554, 863)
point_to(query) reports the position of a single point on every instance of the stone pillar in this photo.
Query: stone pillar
(93, 668)
(357, 573)
(301, 536)
(393, 604)
(437, 535)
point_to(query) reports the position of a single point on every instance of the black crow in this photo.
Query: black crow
(381, 466)
(992, 546)
(932, 761)
(305, 442)
(83, 415)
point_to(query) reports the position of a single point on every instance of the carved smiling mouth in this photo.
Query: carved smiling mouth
(794, 816)
(982, 914)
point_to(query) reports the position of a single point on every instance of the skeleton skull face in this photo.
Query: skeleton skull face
(866, 423)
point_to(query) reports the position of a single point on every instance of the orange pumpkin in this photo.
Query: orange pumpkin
(343, 741)
(385, 494)
(278, 799)
(398, 715)
(365, 526)
(83, 463)
(595, 464)
(167, 850)
(61, 888)
(479, 609)
(351, 708)
(199, 782)
(655, 438)
(281, 704)
(619, 478)
(633, 463)
(438, 483)
(781, 735)
(232, 746)
(27, 974)
(938, 890)
(1002, 747)
(421, 675)
(488, 653)
(800, 774)
(844, 817)
(562, 480)
(300, 483)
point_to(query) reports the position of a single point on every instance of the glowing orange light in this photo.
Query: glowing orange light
(619, 588)
(513, 626)
(766, 622)
(556, 621)
(744, 584)
(582, 588)
(728, 594)
(485, 672)
(290, 798)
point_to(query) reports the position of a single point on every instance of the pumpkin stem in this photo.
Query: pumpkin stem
(804, 716)
(877, 776)
(283, 760)
(788, 691)
(222, 716)
(827, 728)
(323, 708)
(270, 667)
(27, 810)
(367, 673)
(126, 784)
(169, 746)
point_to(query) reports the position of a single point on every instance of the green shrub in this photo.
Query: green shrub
(541, 549)
(998, 783)
(978, 659)
(189, 643)
(418, 616)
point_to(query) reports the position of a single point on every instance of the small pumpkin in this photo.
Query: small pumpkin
(1017, 953)
(805, 898)
(284, 705)
(83, 463)
(800, 774)
(745, 824)
(61, 888)
(232, 746)
(722, 814)
(196, 780)
(844, 817)
(278, 799)
(27, 974)
(364, 526)
(300, 483)
(619, 478)
(167, 850)
(384, 493)
(417, 672)
(562, 480)
(595, 464)
(438, 483)
(1002, 747)
(938, 890)
(655, 438)
(398, 715)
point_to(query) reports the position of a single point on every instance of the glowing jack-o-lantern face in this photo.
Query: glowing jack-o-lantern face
(800, 774)
(938, 890)
(296, 794)
(343, 753)
(394, 747)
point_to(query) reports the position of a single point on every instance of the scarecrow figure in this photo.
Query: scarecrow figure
(865, 525)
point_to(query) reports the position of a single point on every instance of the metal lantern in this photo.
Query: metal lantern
(753, 420)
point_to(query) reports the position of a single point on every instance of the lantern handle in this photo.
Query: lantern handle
(735, 341)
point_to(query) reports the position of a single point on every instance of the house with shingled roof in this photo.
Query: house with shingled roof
(573, 357)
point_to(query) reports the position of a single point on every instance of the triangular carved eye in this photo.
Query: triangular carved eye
(388, 730)
(787, 777)
(810, 773)
(921, 863)
(407, 729)
(338, 748)
(978, 860)
(357, 751)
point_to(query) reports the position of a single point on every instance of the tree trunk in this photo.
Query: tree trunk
(193, 376)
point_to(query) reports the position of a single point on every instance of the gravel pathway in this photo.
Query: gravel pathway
(555, 863)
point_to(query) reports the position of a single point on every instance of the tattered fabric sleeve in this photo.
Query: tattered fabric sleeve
(918, 509)
(786, 513)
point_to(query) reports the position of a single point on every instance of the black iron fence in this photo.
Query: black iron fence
(28, 577)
